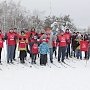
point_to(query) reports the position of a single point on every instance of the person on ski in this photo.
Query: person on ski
(34, 50)
(31, 39)
(54, 44)
(86, 52)
(73, 44)
(27, 32)
(68, 37)
(1, 43)
(49, 39)
(62, 40)
(22, 47)
(43, 50)
(78, 51)
(11, 42)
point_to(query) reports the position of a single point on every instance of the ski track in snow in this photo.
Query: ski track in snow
(22, 77)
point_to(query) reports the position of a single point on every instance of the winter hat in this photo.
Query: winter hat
(61, 31)
(67, 29)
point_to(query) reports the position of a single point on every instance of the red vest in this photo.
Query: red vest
(22, 42)
(1, 40)
(11, 39)
(62, 40)
(35, 49)
(83, 45)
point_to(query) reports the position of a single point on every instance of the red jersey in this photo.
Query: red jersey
(11, 39)
(62, 40)
(22, 42)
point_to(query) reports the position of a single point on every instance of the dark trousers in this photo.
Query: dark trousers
(27, 51)
(0, 54)
(78, 54)
(30, 46)
(86, 54)
(51, 54)
(10, 52)
(43, 59)
(54, 51)
(14, 52)
(22, 56)
(34, 56)
(61, 53)
(68, 51)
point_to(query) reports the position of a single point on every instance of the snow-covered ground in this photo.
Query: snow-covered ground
(21, 77)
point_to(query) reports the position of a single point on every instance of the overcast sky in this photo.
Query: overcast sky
(79, 10)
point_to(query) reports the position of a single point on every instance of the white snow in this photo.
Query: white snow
(20, 77)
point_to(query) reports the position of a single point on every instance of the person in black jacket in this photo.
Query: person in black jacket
(86, 52)
(74, 43)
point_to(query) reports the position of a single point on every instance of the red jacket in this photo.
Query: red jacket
(62, 40)
(1, 40)
(34, 49)
(11, 39)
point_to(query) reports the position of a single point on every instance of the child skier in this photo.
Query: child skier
(34, 50)
(78, 51)
(43, 50)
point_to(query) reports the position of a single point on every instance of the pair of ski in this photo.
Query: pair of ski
(66, 64)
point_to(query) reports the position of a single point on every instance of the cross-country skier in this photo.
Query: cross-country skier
(11, 41)
(43, 50)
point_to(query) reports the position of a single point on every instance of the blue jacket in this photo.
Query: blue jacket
(44, 48)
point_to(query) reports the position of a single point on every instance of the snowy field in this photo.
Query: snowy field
(22, 77)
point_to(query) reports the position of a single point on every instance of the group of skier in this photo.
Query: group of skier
(62, 44)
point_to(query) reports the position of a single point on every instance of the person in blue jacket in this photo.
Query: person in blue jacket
(43, 50)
